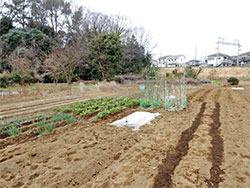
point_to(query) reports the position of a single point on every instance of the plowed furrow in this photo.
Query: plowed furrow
(166, 170)
(217, 150)
(32, 104)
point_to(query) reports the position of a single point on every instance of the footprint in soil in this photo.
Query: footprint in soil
(7, 176)
(46, 160)
(74, 183)
(33, 176)
(241, 179)
(16, 149)
(18, 184)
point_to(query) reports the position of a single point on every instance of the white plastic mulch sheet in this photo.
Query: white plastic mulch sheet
(136, 120)
(238, 88)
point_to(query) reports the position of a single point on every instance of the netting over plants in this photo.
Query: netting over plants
(168, 92)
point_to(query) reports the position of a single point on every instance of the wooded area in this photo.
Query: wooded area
(57, 41)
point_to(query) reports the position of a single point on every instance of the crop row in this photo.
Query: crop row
(100, 106)
(44, 125)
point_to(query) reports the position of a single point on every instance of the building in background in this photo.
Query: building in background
(172, 61)
(193, 62)
(244, 58)
(216, 60)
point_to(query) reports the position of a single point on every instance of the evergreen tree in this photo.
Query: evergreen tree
(135, 59)
(5, 25)
(105, 55)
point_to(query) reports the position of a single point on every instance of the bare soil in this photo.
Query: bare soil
(205, 145)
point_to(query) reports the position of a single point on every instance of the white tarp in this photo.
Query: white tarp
(237, 88)
(7, 93)
(136, 120)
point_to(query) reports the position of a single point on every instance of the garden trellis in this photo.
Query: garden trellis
(169, 92)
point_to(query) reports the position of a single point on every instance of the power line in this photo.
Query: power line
(222, 42)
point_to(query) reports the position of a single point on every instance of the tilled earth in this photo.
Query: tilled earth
(205, 145)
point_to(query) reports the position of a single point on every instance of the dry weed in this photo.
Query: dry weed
(108, 86)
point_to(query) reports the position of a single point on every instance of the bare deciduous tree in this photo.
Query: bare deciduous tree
(63, 62)
(53, 66)
(71, 59)
(143, 37)
(23, 62)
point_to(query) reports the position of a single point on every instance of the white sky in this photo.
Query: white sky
(177, 26)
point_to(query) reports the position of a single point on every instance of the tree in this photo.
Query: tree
(24, 63)
(5, 25)
(38, 12)
(18, 10)
(106, 54)
(56, 12)
(31, 39)
(135, 58)
(72, 58)
(97, 23)
(52, 65)
(63, 62)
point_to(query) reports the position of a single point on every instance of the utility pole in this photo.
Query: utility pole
(218, 46)
(235, 43)
(195, 56)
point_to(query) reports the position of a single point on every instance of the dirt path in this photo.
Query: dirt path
(205, 145)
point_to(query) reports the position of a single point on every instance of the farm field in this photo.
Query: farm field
(29, 102)
(204, 145)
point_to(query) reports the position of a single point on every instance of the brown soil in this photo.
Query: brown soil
(95, 154)
(217, 150)
(166, 170)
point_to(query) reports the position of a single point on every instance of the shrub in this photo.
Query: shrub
(151, 72)
(233, 80)
(192, 81)
(191, 73)
(168, 75)
(177, 74)
(5, 80)
(205, 81)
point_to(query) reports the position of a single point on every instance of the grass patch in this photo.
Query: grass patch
(245, 79)
(216, 82)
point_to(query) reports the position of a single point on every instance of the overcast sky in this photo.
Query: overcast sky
(177, 26)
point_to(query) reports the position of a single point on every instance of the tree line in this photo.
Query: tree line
(55, 40)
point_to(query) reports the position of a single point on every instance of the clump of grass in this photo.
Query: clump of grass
(216, 82)
(45, 126)
(108, 86)
(13, 130)
(57, 117)
(50, 127)
(245, 79)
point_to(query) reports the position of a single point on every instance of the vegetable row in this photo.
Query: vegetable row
(100, 106)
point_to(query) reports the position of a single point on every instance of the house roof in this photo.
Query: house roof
(194, 61)
(219, 54)
(245, 54)
(172, 56)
